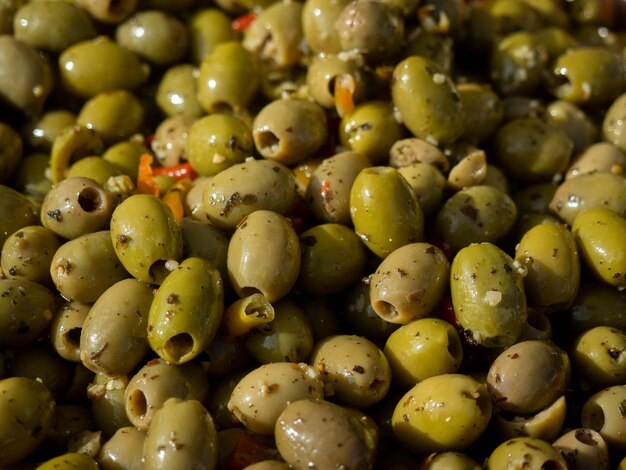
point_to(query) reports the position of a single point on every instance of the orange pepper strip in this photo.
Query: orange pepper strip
(344, 94)
(145, 180)
(175, 196)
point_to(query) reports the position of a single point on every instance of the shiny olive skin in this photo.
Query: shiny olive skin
(488, 295)
(428, 183)
(531, 150)
(598, 304)
(533, 453)
(288, 337)
(601, 157)
(264, 256)
(38, 25)
(550, 255)
(409, 283)
(26, 416)
(371, 128)
(613, 123)
(186, 311)
(322, 271)
(423, 348)
(228, 78)
(528, 376)
(427, 101)
(27, 254)
(325, 435)
(596, 190)
(91, 67)
(318, 24)
(599, 355)
(217, 142)
(157, 381)
(356, 371)
(384, 210)
(600, 234)
(124, 449)
(145, 244)
(244, 188)
(181, 435)
(588, 76)
(155, 36)
(260, 396)
(83, 268)
(289, 130)
(113, 336)
(176, 93)
(445, 412)
(474, 215)
(328, 190)
(583, 448)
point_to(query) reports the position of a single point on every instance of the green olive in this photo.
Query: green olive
(124, 448)
(66, 328)
(450, 460)
(574, 122)
(318, 24)
(545, 424)
(95, 168)
(125, 156)
(27, 254)
(534, 198)
(488, 295)
(109, 11)
(326, 72)
(427, 101)
(186, 311)
(30, 177)
(145, 244)
(177, 91)
(16, 211)
(613, 123)
(442, 413)
(107, 403)
(428, 43)
(428, 183)
(534, 453)
(91, 67)
(601, 157)
(599, 355)
(208, 27)
(602, 413)
(384, 210)
(26, 416)
(71, 144)
(584, 448)
(483, 110)
(41, 131)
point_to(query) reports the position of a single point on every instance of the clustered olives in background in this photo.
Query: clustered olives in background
(274, 234)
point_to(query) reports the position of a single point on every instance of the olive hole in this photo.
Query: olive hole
(378, 387)
(258, 308)
(595, 417)
(551, 465)
(158, 272)
(584, 436)
(178, 346)
(560, 80)
(89, 199)
(72, 338)
(138, 404)
(386, 310)
(331, 85)
(454, 346)
(268, 141)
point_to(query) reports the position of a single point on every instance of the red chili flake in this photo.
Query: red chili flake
(178, 172)
(243, 22)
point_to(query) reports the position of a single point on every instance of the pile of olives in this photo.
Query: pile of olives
(317, 234)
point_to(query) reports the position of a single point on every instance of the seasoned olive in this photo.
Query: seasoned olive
(599, 355)
(583, 448)
(533, 453)
(124, 448)
(27, 254)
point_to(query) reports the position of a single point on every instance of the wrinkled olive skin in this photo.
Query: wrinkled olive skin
(598, 304)
(601, 157)
(44, 25)
(384, 210)
(483, 111)
(155, 36)
(322, 271)
(583, 448)
(613, 123)
(289, 130)
(288, 337)
(318, 24)
(18, 59)
(144, 244)
(550, 255)
(70, 461)
(181, 435)
(528, 377)
(260, 396)
(264, 256)
(474, 215)
(602, 413)
(599, 356)
(588, 76)
(27, 254)
(488, 295)
(371, 128)
(328, 190)
(26, 416)
(83, 268)
(423, 348)
(76, 206)
(533, 453)
(124, 449)
(16, 211)
(186, 311)
(409, 283)
(228, 78)
(427, 100)
(157, 381)
(91, 67)
(113, 336)
(596, 190)
(322, 434)
(356, 369)
(600, 236)
(442, 413)
(428, 183)
(244, 188)
(26, 310)
(531, 150)
(217, 142)
(177, 90)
